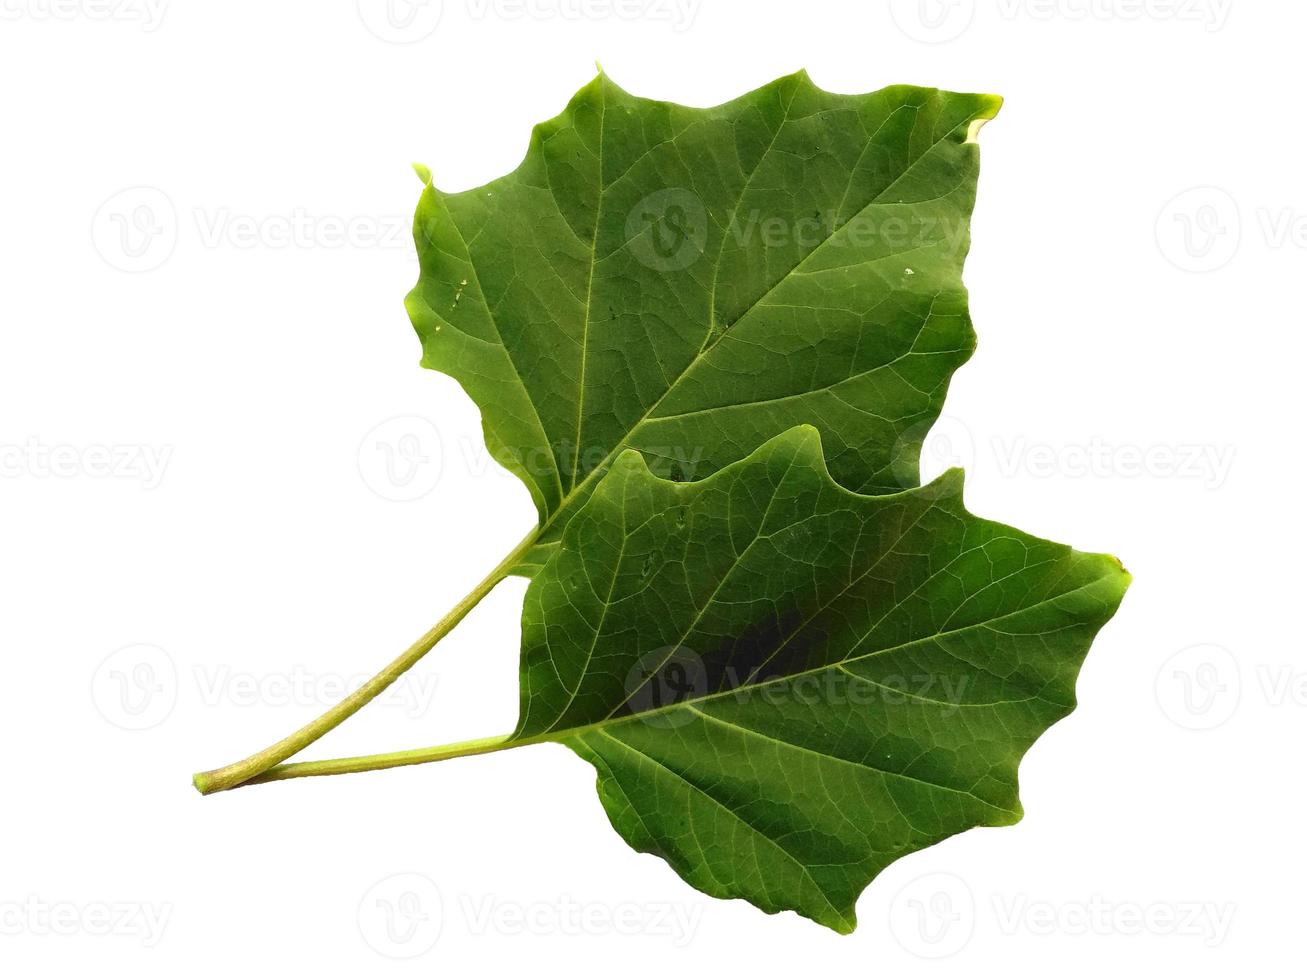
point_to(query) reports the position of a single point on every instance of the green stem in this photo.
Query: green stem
(238, 773)
(390, 760)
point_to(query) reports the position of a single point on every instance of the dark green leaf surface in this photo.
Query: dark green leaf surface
(784, 685)
(691, 282)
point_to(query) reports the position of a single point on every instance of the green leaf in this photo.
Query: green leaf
(691, 282)
(784, 685)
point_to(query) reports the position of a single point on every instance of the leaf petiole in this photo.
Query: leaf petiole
(388, 760)
(239, 773)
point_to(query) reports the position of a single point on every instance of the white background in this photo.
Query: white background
(201, 546)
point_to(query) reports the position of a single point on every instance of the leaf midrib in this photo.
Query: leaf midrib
(589, 288)
(560, 734)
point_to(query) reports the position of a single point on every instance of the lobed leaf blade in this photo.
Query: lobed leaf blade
(691, 282)
(784, 685)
